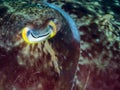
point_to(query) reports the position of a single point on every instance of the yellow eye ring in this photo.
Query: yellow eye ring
(54, 31)
(27, 33)
(24, 34)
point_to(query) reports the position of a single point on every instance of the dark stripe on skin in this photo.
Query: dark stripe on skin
(39, 36)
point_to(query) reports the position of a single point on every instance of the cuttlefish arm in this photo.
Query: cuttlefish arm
(34, 36)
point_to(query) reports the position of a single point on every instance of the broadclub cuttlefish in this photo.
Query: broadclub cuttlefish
(39, 46)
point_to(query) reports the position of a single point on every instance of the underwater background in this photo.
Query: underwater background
(98, 22)
(98, 67)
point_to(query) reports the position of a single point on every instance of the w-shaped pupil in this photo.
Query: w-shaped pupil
(41, 33)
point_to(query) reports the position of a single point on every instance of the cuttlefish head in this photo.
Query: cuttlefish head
(34, 36)
(27, 22)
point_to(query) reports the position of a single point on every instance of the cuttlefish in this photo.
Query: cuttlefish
(39, 46)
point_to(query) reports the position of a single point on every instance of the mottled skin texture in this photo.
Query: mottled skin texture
(47, 65)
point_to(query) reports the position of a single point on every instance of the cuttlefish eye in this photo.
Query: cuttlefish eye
(34, 36)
